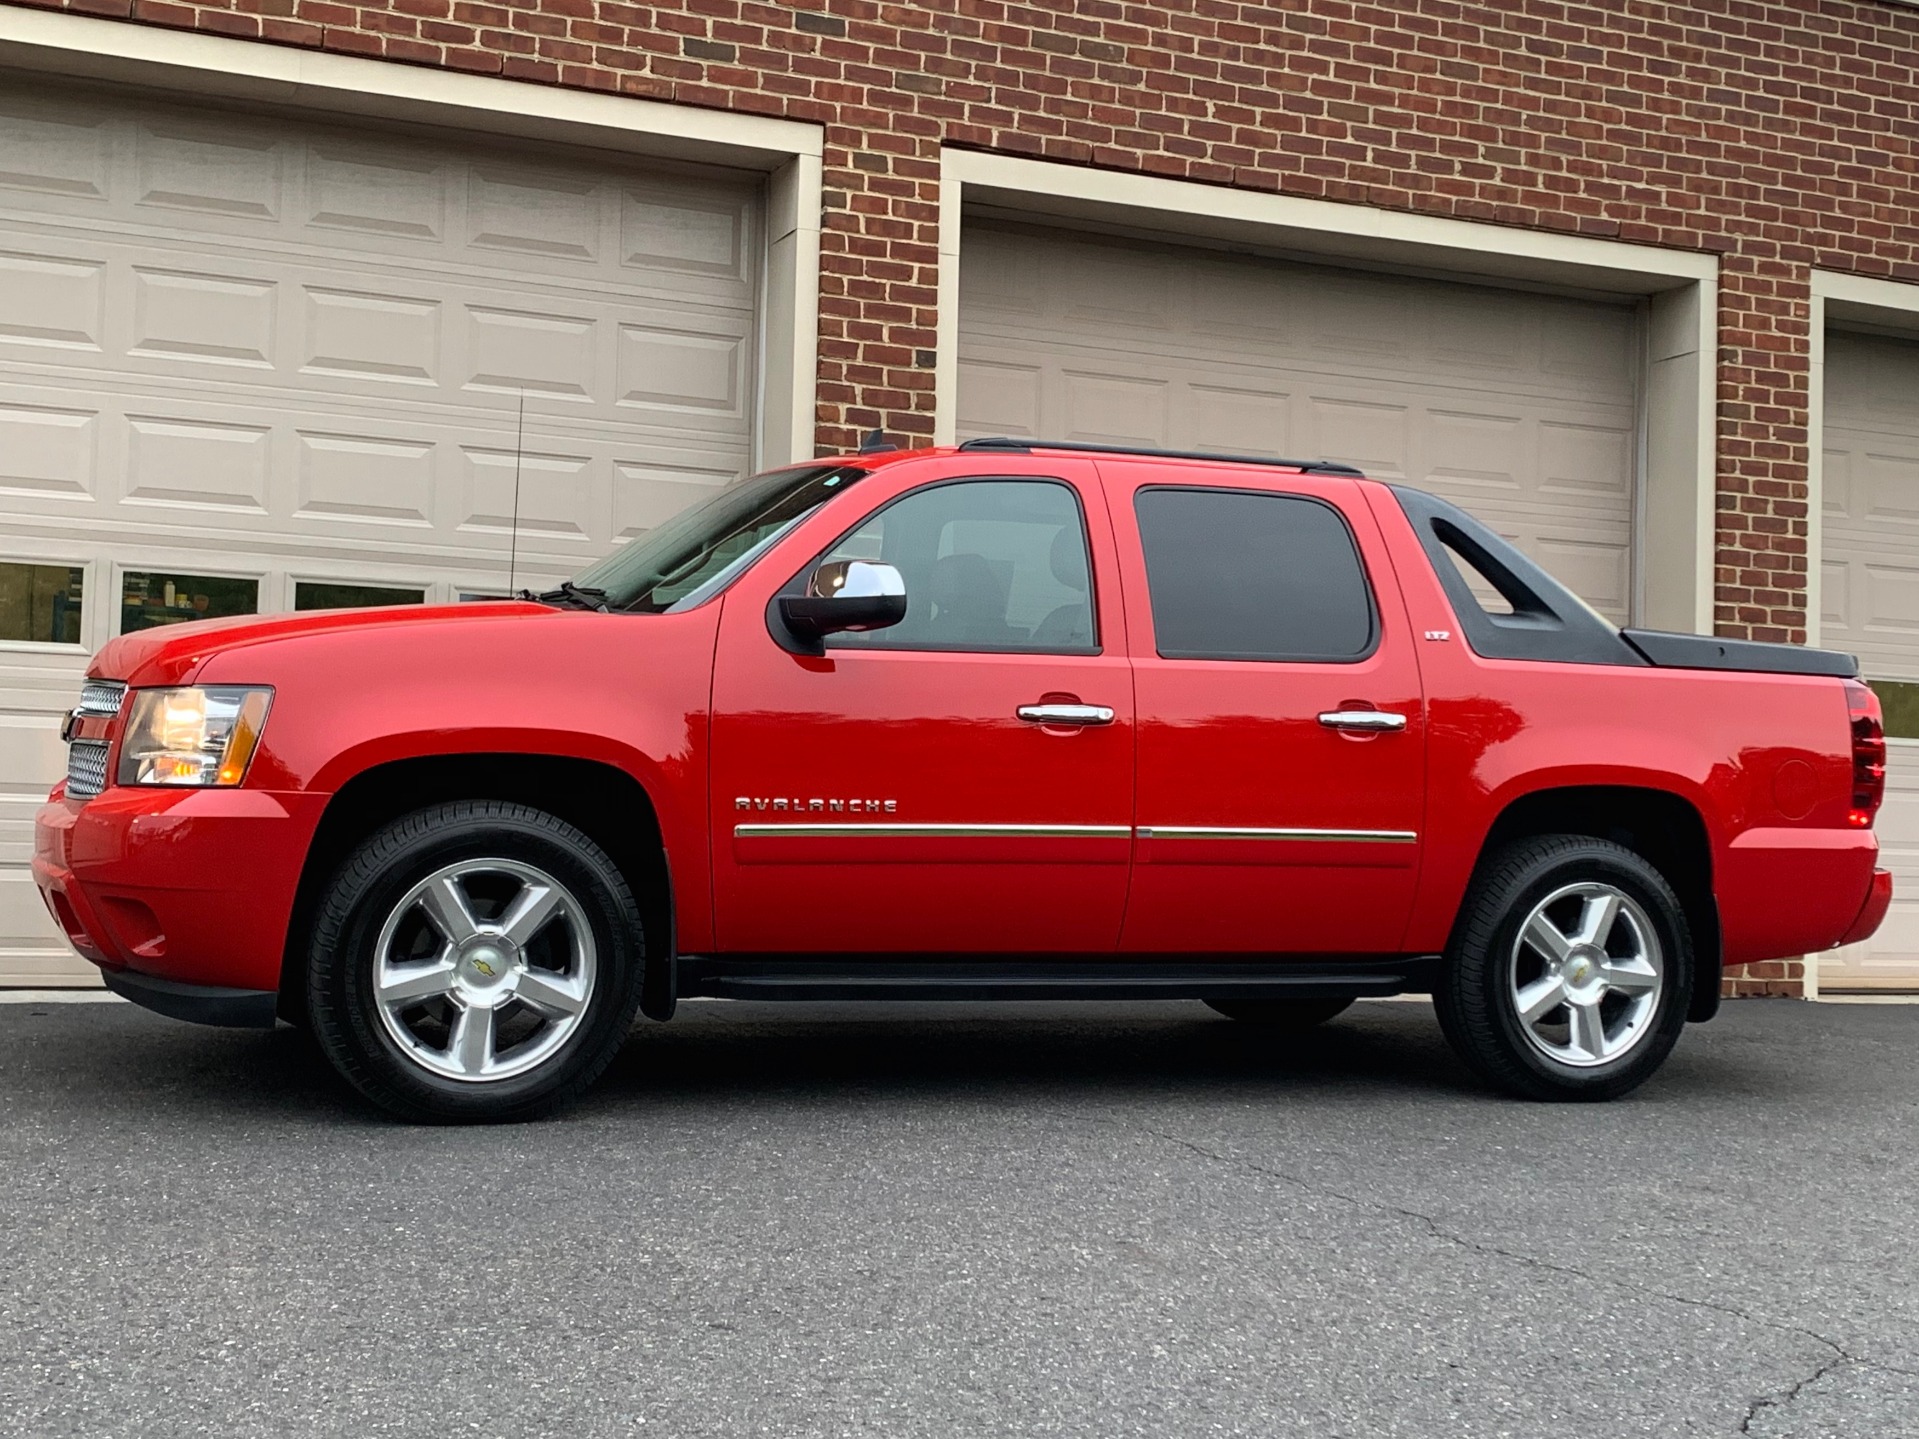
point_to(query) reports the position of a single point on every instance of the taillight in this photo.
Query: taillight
(1868, 754)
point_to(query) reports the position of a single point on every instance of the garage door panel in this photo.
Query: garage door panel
(295, 470)
(272, 348)
(548, 352)
(1245, 421)
(999, 398)
(1869, 604)
(1588, 463)
(206, 316)
(48, 450)
(1482, 454)
(359, 335)
(693, 372)
(366, 479)
(202, 464)
(321, 327)
(1519, 405)
(1600, 573)
(556, 493)
(707, 234)
(50, 149)
(377, 192)
(534, 213)
(52, 300)
(1587, 343)
(1115, 409)
(1891, 483)
(1371, 434)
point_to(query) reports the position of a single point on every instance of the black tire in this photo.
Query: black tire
(1290, 1016)
(347, 1019)
(1476, 997)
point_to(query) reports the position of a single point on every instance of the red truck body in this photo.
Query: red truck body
(987, 835)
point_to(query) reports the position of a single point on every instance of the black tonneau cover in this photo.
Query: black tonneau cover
(1703, 652)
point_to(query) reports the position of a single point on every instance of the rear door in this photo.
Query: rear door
(1281, 723)
(920, 790)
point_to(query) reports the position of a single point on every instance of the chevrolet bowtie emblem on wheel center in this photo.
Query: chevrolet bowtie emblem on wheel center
(483, 967)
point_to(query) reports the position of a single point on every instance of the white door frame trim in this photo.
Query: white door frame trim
(1679, 486)
(787, 151)
(1886, 305)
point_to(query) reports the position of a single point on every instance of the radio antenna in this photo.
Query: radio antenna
(513, 542)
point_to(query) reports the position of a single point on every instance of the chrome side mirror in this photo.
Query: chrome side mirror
(845, 595)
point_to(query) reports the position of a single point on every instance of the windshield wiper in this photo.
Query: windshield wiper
(581, 597)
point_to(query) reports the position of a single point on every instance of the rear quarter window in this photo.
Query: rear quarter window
(1243, 575)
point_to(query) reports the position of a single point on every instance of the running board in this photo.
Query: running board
(765, 976)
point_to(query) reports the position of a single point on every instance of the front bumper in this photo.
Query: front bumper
(199, 1003)
(189, 887)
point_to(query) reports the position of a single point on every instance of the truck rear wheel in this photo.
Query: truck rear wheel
(1289, 1015)
(476, 961)
(1569, 971)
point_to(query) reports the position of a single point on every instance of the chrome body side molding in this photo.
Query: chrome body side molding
(1335, 836)
(933, 831)
(1067, 831)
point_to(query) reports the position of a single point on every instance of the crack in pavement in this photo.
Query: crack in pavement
(1781, 1399)
(1784, 1398)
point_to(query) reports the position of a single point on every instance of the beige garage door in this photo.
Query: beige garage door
(261, 363)
(1869, 604)
(1518, 406)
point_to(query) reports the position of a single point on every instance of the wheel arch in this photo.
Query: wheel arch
(606, 802)
(1665, 828)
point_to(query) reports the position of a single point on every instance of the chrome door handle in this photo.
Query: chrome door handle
(1371, 721)
(1066, 714)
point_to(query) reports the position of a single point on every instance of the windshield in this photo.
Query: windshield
(696, 553)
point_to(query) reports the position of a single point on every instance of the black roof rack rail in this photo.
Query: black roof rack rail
(1006, 444)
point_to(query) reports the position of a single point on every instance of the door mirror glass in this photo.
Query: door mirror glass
(843, 596)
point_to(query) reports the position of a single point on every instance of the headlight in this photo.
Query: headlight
(200, 736)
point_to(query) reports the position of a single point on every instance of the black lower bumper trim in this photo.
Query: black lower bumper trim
(996, 977)
(200, 1003)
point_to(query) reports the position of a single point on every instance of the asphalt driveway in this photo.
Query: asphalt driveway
(953, 1221)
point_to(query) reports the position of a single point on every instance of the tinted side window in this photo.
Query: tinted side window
(989, 565)
(1236, 575)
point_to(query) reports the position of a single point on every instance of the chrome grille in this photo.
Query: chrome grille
(102, 697)
(86, 768)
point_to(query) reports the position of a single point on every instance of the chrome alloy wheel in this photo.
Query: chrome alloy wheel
(484, 969)
(1585, 975)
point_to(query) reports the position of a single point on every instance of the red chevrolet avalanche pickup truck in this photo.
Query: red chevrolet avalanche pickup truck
(1007, 720)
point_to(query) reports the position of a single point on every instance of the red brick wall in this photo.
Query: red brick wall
(1772, 979)
(1780, 136)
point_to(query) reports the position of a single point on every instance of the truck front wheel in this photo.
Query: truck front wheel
(474, 961)
(1569, 970)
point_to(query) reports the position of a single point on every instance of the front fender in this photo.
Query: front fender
(631, 692)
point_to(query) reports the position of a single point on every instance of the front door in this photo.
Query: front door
(889, 797)
(1282, 727)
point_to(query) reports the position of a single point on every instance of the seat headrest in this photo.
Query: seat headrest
(1068, 558)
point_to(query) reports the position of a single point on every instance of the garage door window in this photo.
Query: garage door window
(40, 603)
(321, 595)
(151, 598)
(1900, 701)
(1235, 575)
